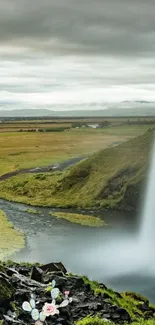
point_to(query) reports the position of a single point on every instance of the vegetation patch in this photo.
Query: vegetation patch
(89, 320)
(131, 302)
(11, 240)
(33, 211)
(84, 220)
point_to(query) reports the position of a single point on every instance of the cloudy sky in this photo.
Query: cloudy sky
(67, 53)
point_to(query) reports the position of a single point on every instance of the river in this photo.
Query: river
(83, 250)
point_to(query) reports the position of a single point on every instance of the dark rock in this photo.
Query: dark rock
(54, 267)
(144, 307)
(37, 274)
(19, 286)
(24, 270)
(60, 279)
(122, 314)
(108, 316)
(76, 282)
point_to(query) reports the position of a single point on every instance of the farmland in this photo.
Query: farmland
(26, 149)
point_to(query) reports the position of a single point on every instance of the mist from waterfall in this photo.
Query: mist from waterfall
(147, 228)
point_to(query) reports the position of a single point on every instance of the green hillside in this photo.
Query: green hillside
(110, 178)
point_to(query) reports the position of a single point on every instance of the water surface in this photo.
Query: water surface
(95, 252)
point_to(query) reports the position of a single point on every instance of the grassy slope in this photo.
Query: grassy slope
(11, 239)
(109, 178)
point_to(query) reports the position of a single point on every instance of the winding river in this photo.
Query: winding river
(83, 250)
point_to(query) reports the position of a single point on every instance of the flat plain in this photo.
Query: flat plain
(28, 149)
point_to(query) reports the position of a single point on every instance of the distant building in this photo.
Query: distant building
(94, 126)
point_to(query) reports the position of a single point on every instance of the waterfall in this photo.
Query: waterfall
(147, 228)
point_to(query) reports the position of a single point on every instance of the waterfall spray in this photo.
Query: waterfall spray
(147, 228)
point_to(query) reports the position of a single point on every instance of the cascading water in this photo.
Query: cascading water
(147, 229)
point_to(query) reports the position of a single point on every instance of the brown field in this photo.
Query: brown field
(31, 149)
(24, 126)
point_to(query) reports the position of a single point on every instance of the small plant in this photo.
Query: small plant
(48, 309)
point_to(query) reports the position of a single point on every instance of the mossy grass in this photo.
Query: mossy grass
(12, 240)
(6, 289)
(89, 320)
(82, 219)
(130, 302)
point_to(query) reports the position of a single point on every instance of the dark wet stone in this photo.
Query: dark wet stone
(60, 280)
(24, 270)
(54, 267)
(121, 313)
(108, 316)
(37, 274)
(84, 300)
(145, 306)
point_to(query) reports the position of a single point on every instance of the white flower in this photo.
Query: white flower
(49, 309)
(64, 303)
(35, 314)
(28, 306)
(55, 293)
(53, 283)
(32, 303)
(42, 316)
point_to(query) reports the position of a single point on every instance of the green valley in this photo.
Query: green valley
(111, 178)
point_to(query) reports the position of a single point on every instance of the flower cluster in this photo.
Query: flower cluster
(49, 309)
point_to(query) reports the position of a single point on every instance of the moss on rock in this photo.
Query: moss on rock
(129, 301)
(93, 321)
(6, 290)
(100, 321)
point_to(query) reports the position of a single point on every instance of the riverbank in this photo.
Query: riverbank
(89, 303)
(11, 240)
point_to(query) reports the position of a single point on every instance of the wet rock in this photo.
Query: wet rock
(145, 306)
(54, 267)
(37, 274)
(122, 314)
(106, 315)
(58, 277)
(75, 282)
(20, 283)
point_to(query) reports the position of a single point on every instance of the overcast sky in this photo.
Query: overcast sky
(74, 52)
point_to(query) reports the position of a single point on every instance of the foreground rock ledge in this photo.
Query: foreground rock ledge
(19, 281)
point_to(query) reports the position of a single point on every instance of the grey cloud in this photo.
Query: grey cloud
(114, 27)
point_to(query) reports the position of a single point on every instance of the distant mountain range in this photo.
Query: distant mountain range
(137, 108)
